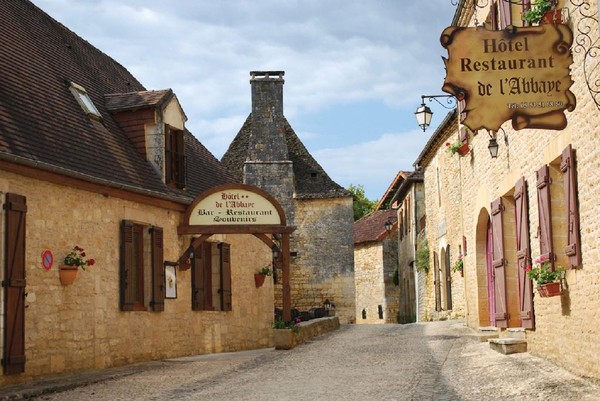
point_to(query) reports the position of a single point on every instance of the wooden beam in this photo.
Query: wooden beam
(235, 229)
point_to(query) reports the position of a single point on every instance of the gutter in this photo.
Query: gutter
(89, 178)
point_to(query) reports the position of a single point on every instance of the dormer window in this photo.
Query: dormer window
(84, 100)
(175, 163)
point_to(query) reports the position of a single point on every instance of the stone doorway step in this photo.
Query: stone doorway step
(510, 341)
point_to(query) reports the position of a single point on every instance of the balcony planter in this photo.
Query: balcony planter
(463, 150)
(67, 274)
(552, 17)
(549, 290)
(259, 279)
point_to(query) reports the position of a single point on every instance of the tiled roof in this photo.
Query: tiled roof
(371, 228)
(41, 121)
(312, 182)
(384, 202)
(135, 100)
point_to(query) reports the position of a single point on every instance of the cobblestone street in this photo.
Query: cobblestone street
(429, 361)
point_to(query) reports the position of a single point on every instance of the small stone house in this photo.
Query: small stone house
(267, 153)
(376, 263)
(537, 197)
(90, 158)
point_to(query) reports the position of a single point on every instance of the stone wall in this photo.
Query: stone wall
(369, 281)
(80, 327)
(323, 265)
(565, 330)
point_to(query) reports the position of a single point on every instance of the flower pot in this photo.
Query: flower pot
(67, 274)
(549, 290)
(259, 279)
(552, 17)
(464, 149)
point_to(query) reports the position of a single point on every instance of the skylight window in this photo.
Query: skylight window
(84, 100)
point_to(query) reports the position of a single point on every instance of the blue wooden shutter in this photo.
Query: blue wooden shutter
(567, 166)
(523, 254)
(499, 263)
(14, 285)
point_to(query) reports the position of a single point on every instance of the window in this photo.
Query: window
(175, 165)
(211, 277)
(142, 270)
(84, 100)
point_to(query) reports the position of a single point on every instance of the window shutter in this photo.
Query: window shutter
(505, 17)
(225, 276)
(545, 215)
(498, 264)
(523, 254)
(158, 271)
(198, 279)
(436, 282)
(180, 161)
(448, 275)
(567, 166)
(127, 260)
(493, 16)
(461, 110)
(14, 285)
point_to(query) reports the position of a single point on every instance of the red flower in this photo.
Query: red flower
(91, 262)
(447, 143)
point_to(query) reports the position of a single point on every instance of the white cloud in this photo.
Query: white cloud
(373, 164)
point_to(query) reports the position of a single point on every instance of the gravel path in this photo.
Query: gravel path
(428, 361)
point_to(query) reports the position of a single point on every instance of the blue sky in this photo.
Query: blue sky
(354, 70)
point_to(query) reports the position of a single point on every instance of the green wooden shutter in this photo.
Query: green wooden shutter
(14, 285)
(127, 264)
(225, 276)
(158, 270)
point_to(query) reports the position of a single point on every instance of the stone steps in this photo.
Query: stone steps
(508, 346)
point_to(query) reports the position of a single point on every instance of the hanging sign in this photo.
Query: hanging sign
(517, 74)
(234, 205)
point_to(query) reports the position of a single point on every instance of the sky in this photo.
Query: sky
(354, 70)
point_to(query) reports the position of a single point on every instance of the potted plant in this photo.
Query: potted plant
(546, 279)
(259, 278)
(458, 265)
(543, 11)
(286, 334)
(460, 147)
(75, 259)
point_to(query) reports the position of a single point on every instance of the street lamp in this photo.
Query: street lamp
(493, 148)
(424, 113)
(389, 224)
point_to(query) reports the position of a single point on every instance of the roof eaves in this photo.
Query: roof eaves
(440, 130)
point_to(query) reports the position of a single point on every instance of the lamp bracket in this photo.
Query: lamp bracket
(450, 100)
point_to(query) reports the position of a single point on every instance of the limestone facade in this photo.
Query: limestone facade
(81, 327)
(459, 192)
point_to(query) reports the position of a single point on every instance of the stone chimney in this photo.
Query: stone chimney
(267, 165)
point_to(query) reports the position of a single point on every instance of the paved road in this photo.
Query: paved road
(429, 361)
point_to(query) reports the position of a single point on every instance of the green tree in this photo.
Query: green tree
(362, 205)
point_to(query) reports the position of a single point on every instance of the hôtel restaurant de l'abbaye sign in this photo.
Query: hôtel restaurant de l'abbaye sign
(234, 205)
(518, 74)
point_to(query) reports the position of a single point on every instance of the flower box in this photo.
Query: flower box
(463, 150)
(549, 290)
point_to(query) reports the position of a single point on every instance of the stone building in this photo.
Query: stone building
(539, 196)
(90, 158)
(375, 264)
(267, 153)
(408, 199)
